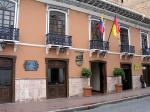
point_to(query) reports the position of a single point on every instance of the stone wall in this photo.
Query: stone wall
(30, 89)
(111, 81)
(76, 86)
(136, 82)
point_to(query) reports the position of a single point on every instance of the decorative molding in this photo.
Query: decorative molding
(93, 10)
(57, 8)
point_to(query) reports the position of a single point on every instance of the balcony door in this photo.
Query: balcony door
(124, 36)
(56, 79)
(144, 40)
(57, 22)
(7, 13)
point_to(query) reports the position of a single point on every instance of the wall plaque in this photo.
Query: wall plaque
(31, 65)
(79, 59)
(137, 67)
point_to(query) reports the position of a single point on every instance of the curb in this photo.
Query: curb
(92, 106)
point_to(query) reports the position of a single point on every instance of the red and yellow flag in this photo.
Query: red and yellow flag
(115, 28)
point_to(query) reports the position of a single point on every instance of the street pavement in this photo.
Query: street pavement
(77, 103)
(136, 105)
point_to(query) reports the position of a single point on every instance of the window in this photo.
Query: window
(57, 22)
(56, 76)
(7, 13)
(124, 36)
(95, 34)
(144, 39)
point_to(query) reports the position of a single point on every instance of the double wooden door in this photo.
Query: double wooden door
(6, 80)
(56, 79)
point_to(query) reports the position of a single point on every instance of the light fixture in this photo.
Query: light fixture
(3, 44)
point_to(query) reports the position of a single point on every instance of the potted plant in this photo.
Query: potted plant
(118, 72)
(86, 72)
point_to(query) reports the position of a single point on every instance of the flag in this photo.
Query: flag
(115, 28)
(101, 26)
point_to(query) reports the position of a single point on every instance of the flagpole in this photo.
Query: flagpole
(111, 30)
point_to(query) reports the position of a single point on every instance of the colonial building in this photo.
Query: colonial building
(44, 44)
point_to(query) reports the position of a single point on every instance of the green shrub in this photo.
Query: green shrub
(86, 72)
(118, 72)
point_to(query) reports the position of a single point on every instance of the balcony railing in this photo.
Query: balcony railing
(56, 39)
(100, 45)
(127, 49)
(146, 51)
(9, 34)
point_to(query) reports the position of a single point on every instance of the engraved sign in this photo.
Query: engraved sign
(31, 65)
(79, 59)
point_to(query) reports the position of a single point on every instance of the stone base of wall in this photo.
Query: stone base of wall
(76, 86)
(111, 81)
(136, 82)
(30, 89)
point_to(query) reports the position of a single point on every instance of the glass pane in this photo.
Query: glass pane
(5, 77)
(1, 11)
(6, 13)
(6, 17)
(6, 21)
(55, 76)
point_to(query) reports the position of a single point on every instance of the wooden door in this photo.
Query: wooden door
(6, 80)
(56, 79)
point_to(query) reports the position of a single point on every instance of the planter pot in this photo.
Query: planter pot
(118, 88)
(87, 91)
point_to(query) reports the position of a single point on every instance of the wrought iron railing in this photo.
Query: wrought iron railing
(56, 39)
(127, 48)
(97, 44)
(9, 33)
(146, 51)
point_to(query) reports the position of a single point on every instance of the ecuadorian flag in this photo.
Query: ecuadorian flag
(101, 26)
(115, 28)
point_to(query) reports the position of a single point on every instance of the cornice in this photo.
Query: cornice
(108, 9)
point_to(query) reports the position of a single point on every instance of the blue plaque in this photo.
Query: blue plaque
(31, 65)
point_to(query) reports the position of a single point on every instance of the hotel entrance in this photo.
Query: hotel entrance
(98, 78)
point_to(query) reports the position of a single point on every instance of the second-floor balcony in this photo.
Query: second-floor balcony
(146, 51)
(9, 34)
(127, 49)
(99, 45)
(58, 40)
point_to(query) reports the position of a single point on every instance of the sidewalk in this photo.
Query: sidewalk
(73, 103)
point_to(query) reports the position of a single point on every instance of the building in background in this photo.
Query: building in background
(45, 44)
